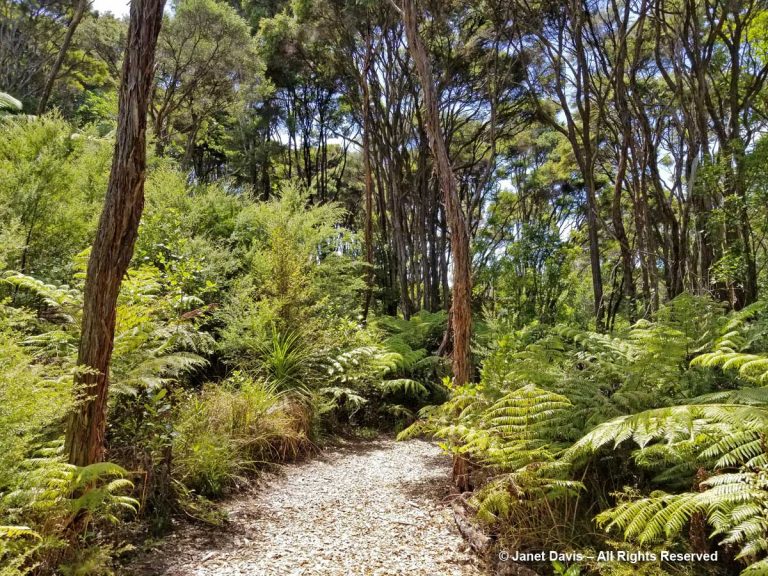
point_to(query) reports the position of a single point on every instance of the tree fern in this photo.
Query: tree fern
(62, 299)
(49, 496)
(550, 400)
(751, 367)
(730, 351)
(17, 532)
(735, 505)
(390, 374)
(346, 365)
(345, 399)
(404, 387)
(673, 424)
(155, 372)
(398, 411)
(727, 436)
(518, 429)
(8, 102)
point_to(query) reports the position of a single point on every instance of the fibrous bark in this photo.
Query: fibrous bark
(118, 226)
(461, 292)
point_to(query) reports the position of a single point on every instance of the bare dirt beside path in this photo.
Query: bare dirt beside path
(375, 508)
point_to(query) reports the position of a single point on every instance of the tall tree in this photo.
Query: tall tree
(368, 227)
(118, 227)
(80, 10)
(27, 31)
(562, 68)
(206, 66)
(461, 310)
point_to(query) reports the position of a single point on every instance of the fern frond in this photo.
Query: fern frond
(56, 297)
(404, 386)
(8, 102)
(11, 532)
(671, 424)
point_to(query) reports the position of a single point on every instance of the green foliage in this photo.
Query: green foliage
(392, 375)
(715, 441)
(283, 359)
(32, 402)
(240, 334)
(51, 497)
(548, 430)
(404, 386)
(272, 288)
(298, 291)
(515, 439)
(206, 64)
(8, 102)
(230, 428)
(53, 180)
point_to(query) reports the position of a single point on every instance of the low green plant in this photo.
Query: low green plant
(232, 428)
(57, 510)
(656, 431)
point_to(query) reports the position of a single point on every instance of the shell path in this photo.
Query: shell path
(375, 508)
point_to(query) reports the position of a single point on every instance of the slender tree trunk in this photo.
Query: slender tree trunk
(627, 267)
(433, 224)
(398, 240)
(82, 5)
(624, 130)
(368, 178)
(443, 259)
(461, 312)
(594, 252)
(113, 247)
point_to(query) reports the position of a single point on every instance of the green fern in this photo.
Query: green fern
(8, 102)
(735, 505)
(156, 372)
(345, 399)
(404, 387)
(17, 532)
(672, 424)
(62, 299)
(50, 496)
(750, 367)
(725, 436)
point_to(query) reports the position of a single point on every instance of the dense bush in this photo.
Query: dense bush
(238, 344)
(233, 428)
(655, 432)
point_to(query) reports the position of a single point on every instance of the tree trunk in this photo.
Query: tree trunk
(82, 5)
(461, 312)
(369, 276)
(594, 252)
(118, 226)
(627, 267)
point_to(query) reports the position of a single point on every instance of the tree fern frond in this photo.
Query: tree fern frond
(671, 423)
(11, 532)
(8, 102)
(56, 297)
(404, 386)
(743, 396)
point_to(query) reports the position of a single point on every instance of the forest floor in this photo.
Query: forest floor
(377, 508)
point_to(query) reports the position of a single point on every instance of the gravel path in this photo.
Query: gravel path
(377, 508)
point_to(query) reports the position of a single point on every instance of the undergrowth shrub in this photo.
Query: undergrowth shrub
(54, 178)
(230, 429)
(655, 432)
(57, 511)
(390, 376)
